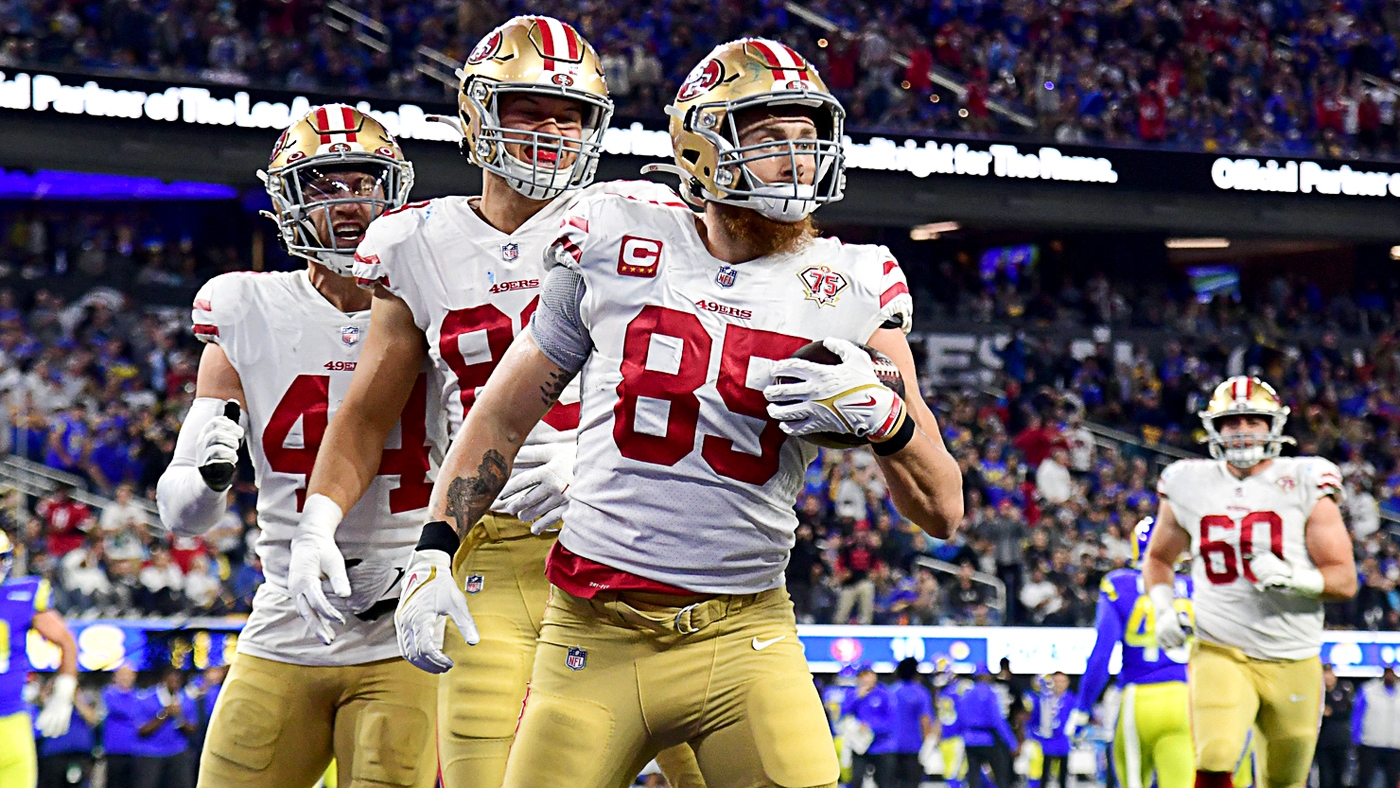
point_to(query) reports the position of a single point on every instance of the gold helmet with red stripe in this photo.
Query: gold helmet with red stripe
(307, 175)
(543, 56)
(746, 74)
(1245, 395)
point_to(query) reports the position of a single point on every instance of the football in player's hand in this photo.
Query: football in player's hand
(885, 371)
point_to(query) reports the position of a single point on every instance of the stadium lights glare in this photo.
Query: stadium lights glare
(1198, 243)
(1395, 252)
(931, 231)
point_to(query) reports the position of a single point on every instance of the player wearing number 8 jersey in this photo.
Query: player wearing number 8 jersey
(1267, 547)
(454, 280)
(282, 346)
(668, 621)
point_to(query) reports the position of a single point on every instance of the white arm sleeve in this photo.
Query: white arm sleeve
(187, 506)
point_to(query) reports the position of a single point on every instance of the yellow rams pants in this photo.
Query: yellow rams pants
(1232, 692)
(620, 677)
(500, 566)
(19, 766)
(279, 724)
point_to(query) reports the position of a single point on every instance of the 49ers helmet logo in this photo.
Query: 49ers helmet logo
(702, 79)
(485, 49)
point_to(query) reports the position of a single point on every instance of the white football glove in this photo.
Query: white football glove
(314, 555)
(428, 597)
(1172, 625)
(845, 398)
(1077, 725)
(58, 712)
(537, 495)
(1274, 574)
(218, 442)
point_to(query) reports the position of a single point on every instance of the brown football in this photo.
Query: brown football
(885, 371)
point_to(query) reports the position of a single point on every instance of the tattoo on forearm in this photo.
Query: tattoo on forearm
(470, 497)
(549, 392)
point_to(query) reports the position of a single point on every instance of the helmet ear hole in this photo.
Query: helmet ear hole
(693, 156)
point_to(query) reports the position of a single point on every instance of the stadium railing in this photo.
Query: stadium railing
(39, 480)
(981, 578)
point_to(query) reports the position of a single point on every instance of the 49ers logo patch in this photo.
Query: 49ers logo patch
(703, 78)
(486, 48)
(822, 284)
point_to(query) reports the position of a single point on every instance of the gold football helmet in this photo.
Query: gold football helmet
(713, 166)
(306, 175)
(1245, 395)
(543, 56)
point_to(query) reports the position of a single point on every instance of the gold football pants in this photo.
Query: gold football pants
(500, 565)
(280, 724)
(1231, 692)
(621, 676)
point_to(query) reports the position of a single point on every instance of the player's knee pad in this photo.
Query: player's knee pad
(390, 744)
(679, 767)
(561, 742)
(481, 696)
(249, 720)
(790, 732)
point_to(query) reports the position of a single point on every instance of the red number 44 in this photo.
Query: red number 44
(1222, 560)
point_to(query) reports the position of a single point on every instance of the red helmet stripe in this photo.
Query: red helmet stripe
(322, 124)
(785, 63)
(1248, 387)
(348, 115)
(572, 38)
(546, 26)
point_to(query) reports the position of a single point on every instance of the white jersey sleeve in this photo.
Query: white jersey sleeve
(295, 354)
(1229, 520)
(681, 477)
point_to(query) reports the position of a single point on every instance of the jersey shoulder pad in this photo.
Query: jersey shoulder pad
(32, 591)
(878, 273)
(1116, 582)
(386, 237)
(597, 221)
(1321, 478)
(644, 191)
(223, 301)
(1178, 473)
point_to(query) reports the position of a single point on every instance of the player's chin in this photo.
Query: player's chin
(761, 234)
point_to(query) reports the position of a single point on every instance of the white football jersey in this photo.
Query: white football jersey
(295, 354)
(1229, 518)
(472, 288)
(682, 477)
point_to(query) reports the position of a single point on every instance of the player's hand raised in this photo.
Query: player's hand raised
(316, 555)
(217, 451)
(846, 398)
(1272, 573)
(428, 597)
(536, 495)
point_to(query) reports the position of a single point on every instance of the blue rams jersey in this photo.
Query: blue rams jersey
(20, 600)
(1125, 615)
(946, 707)
(834, 698)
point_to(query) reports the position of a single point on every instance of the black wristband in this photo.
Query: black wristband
(438, 535)
(898, 440)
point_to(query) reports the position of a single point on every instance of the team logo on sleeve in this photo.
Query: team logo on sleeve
(822, 284)
(510, 251)
(726, 276)
(350, 335)
(576, 659)
(474, 584)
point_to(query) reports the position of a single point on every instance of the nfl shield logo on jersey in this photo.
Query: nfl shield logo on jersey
(510, 251)
(474, 584)
(576, 659)
(349, 335)
(726, 276)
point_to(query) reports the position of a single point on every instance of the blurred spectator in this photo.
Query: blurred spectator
(66, 521)
(120, 741)
(167, 717)
(1052, 479)
(1050, 708)
(1334, 739)
(873, 707)
(987, 737)
(162, 584)
(913, 722)
(67, 759)
(857, 561)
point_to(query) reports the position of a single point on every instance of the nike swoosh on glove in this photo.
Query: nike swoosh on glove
(315, 555)
(537, 495)
(845, 398)
(429, 596)
(218, 442)
(1272, 573)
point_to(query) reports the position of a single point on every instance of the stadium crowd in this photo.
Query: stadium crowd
(1275, 77)
(95, 385)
